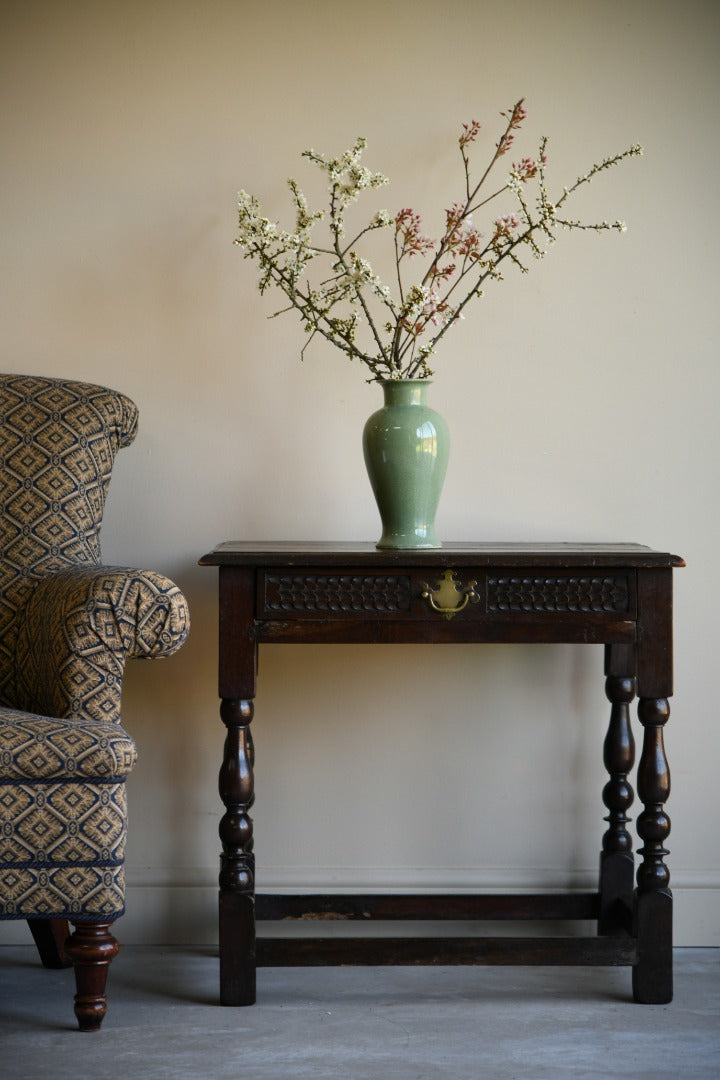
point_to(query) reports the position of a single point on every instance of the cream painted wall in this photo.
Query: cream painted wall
(582, 400)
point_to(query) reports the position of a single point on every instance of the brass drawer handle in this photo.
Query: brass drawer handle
(449, 596)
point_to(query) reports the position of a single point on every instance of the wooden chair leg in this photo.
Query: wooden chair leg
(91, 948)
(50, 936)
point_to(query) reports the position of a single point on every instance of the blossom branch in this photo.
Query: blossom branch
(404, 332)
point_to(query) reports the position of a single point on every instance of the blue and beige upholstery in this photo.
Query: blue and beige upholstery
(67, 626)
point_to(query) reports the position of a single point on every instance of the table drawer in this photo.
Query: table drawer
(464, 593)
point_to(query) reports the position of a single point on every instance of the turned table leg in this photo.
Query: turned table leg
(616, 860)
(652, 975)
(237, 862)
(653, 914)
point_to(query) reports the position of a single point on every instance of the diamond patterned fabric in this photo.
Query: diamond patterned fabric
(44, 748)
(67, 626)
(58, 442)
(77, 630)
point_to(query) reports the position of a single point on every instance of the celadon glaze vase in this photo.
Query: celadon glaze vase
(406, 446)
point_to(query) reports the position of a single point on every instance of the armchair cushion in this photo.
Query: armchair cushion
(63, 816)
(40, 748)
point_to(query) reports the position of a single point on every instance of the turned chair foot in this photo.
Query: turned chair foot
(91, 948)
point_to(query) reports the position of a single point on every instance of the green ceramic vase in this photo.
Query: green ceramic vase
(406, 446)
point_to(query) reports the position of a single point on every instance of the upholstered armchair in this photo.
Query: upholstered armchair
(67, 626)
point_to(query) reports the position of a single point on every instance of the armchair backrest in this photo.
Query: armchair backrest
(58, 441)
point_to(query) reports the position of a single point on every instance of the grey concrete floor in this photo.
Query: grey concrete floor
(359, 1023)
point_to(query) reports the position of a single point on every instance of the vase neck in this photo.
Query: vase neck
(405, 391)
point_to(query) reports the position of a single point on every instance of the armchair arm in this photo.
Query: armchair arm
(79, 628)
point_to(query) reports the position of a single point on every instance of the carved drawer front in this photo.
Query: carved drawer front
(327, 594)
(600, 593)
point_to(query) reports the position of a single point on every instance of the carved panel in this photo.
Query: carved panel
(603, 594)
(336, 593)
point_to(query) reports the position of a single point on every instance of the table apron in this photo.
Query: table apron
(553, 630)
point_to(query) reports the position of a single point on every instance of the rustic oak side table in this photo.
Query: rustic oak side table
(616, 595)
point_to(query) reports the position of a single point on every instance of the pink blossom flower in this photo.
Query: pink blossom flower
(469, 243)
(454, 216)
(505, 143)
(515, 119)
(504, 226)
(527, 168)
(443, 273)
(517, 116)
(407, 227)
(469, 132)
